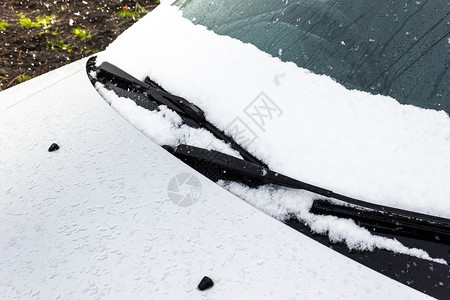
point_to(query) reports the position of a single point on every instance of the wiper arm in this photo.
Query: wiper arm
(217, 165)
(178, 104)
(164, 97)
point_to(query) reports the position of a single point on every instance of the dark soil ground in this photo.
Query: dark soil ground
(28, 52)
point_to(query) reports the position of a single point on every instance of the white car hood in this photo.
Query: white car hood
(94, 220)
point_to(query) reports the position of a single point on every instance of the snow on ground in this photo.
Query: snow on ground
(361, 145)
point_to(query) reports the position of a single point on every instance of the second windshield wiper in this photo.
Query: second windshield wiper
(217, 165)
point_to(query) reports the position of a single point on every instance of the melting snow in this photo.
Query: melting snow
(305, 125)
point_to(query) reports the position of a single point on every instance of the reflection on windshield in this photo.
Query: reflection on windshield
(395, 48)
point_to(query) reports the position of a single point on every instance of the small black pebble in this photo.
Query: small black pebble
(53, 147)
(205, 284)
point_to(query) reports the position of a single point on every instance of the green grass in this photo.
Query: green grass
(125, 14)
(138, 13)
(23, 78)
(81, 33)
(41, 21)
(25, 22)
(60, 45)
(91, 51)
(56, 32)
(3, 26)
(46, 21)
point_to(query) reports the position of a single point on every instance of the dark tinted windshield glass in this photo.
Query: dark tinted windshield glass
(395, 48)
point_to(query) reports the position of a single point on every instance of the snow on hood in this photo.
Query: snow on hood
(361, 145)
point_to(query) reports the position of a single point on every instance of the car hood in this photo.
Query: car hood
(94, 218)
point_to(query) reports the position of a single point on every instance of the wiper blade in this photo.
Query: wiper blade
(178, 104)
(217, 165)
(385, 222)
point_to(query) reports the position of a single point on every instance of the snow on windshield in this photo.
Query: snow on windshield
(301, 124)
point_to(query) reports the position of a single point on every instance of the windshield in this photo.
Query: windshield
(394, 48)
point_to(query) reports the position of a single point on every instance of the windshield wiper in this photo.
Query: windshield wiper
(217, 165)
(189, 112)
